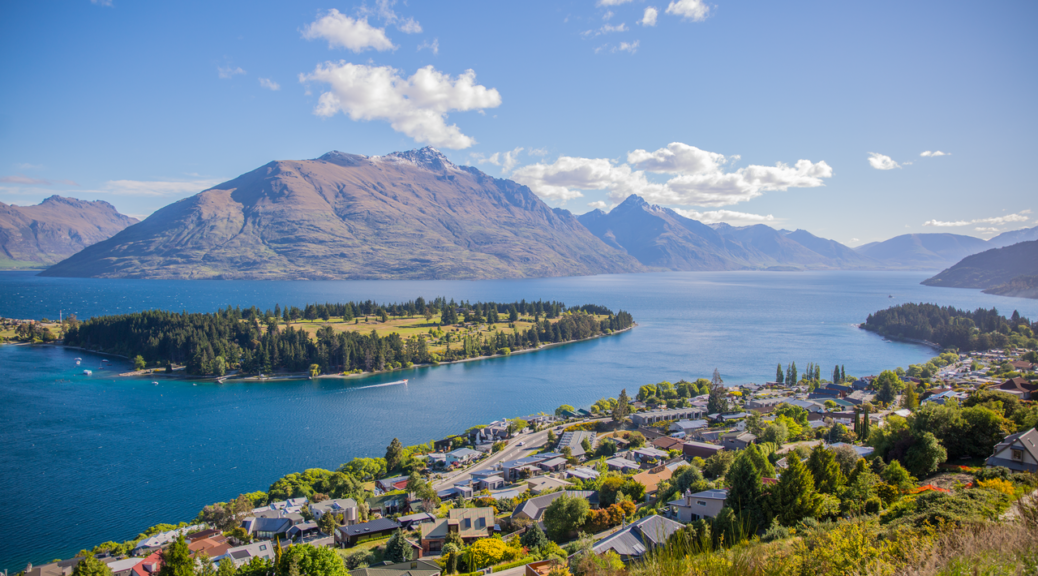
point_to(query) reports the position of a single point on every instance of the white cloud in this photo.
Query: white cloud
(934, 154)
(698, 178)
(987, 230)
(416, 106)
(410, 26)
(107, 3)
(728, 216)
(613, 2)
(226, 72)
(649, 19)
(344, 32)
(269, 84)
(384, 11)
(605, 29)
(434, 46)
(609, 14)
(631, 47)
(600, 205)
(882, 161)
(157, 187)
(694, 10)
(537, 152)
(27, 166)
(20, 179)
(995, 220)
(506, 160)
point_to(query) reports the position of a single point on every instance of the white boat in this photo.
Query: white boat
(155, 383)
(87, 372)
(77, 362)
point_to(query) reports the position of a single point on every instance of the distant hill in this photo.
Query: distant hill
(1014, 237)
(406, 215)
(661, 238)
(35, 236)
(922, 251)
(1008, 271)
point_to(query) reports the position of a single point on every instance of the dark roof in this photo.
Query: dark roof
(412, 568)
(380, 525)
(271, 524)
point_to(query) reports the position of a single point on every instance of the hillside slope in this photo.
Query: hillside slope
(1006, 271)
(923, 251)
(406, 215)
(55, 229)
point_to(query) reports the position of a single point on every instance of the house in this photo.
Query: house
(244, 554)
(490, 483)
(705, 504)
(387, 504)
(738, 440)
(544, 483)
(163, 538)
(861, 384)
(575, 442)
(654, 416)
(411, 520)
(524, 467)
(412, 568)
(304, 530)
(147, 567)
(688, 426)
(469, 523)
(622, 465)
(811, 407)
(700, 449)
(647, 454)
(349, 535)
(767, 402)
(859, 397)
(635, 540)
(651, 479)
(1021, 365)
(533, 509)
(862, 451)
(461, 456)
(667, 443)
(1017, 452)
(1019, 385)
(214, 546)
(122, 567)
(391, 484)
(553, 465)
(582, 473)
(346, 507)
(266, 528)
(945, 396)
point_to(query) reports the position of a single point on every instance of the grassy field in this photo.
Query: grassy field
(417, 326)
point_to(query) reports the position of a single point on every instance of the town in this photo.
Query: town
(693, 466)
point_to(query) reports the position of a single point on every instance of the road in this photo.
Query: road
(532, 443)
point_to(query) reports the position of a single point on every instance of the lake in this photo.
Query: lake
(91, 459)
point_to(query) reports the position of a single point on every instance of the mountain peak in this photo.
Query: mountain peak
(427, 157)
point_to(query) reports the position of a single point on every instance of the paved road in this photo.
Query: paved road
(532, 442)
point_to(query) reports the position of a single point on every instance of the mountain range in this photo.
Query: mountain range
(406, 215)
(416, 215)
(35, 236)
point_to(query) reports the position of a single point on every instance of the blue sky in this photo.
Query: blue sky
(806, 115)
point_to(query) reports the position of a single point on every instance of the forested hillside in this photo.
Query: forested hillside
(953, 328)
(265, 342)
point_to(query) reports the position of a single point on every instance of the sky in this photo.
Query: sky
(856, 121)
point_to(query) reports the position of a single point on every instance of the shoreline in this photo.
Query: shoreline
(926, 343)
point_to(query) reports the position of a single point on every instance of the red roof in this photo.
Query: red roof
(149, 566)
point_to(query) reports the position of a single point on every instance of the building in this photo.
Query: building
(738, 440)
(1017, 452)
(461, 456)
(346, 507)
(688, 426)
(651, 479)
(533, 509)
(767, 402)
(470, 523)
(349, 535)
(859, 397)
(649, 454)
(267, 528)
(638, 538)
(622, 465)
(582, 473)
(705, 504)
(667, 443)
(1018, 386)
(575, 442)
(241, 555)
(391, 484)
(545, 483)
(700, 450)
(412, 568)
(654, 416)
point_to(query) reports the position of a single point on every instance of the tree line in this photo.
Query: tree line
(949, 327)
(256, 342)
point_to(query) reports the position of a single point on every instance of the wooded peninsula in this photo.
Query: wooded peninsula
(949, 327)
(346, 338)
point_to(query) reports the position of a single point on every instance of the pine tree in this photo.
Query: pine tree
(825, 470)
(778, 374)
(836, 375)
(623, 407)
(866, 426)
(394, 454)
(717, 403)
(534, 537)
(176, 559)
(90, 566)
(794, 498)
(397, 548)
(843, 374)
(793, 371)
(744, 496)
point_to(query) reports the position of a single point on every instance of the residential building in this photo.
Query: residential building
(411, 520)
(533, 509)
(705, 504)
(1017, 452)
(688, 426)
(622, 465)
(391, 484)
(266, 528)
(649, 454)
(582, 473)
(859, 397)
(654, 416)
(767, 402)
(346, 536)
(553, 465)
(412, 568)
(122, 567)
(1020, 386)
(244, 554)
(738, 440)
(469, 523)
(700, 449)
(387, 504)
(490, 483)
(147, 567)
(638, 538)
(668, 443)
(544, 483)
(862, 451)
(346, 507)
(651, 479)
(575, 442)
(461, 456)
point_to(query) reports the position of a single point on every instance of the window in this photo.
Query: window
(263, 547)
(701, 502)
(1018, 455)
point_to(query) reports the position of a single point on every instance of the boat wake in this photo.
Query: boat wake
(381, 385)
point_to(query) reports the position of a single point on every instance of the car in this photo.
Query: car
(523, 443)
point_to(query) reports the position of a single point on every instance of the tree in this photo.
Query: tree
(910, 399)
(226, 566)
(925, 455)
(776, 433)
(138, 363)
(760, 460)
(315, 370)
(744, 495)
(717, 403)
(623, 407)
(564, 408)
(534, 537)
(896, 475)
(552, 439)
(327, 523)
(176, 559)
(825, 471)
(219, 366)
(565, 516)
(314, 561)
(889, 385)
(397, 548)
(394, 454)
(719, 463)
(794, 498)
(90, 566)
(779, 376)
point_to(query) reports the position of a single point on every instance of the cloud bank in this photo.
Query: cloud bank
(882, 161)
(341, 31)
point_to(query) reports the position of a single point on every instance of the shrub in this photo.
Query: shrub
(935, 508)
(998, 484)
(873, 505)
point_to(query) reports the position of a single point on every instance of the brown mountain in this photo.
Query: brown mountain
(407, 215)
(32, 236)
(1009, 271)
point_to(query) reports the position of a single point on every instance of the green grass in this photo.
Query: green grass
(7, 264)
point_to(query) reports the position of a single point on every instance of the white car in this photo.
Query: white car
(523, 443)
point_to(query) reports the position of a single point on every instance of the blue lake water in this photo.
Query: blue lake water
(89, 459)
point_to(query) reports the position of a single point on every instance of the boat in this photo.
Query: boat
(155, 383)
(77, 362)
(87, 372)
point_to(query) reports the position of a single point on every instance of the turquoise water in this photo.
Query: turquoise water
(90, 459)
